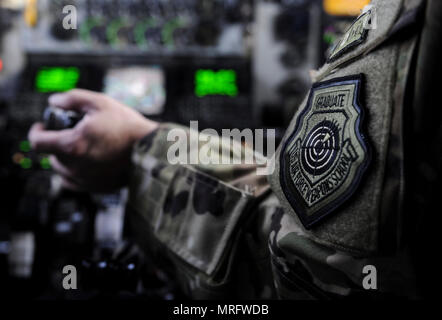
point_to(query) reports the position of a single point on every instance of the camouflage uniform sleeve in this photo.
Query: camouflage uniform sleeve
(365, 247)
(225, 233)
(199, 218)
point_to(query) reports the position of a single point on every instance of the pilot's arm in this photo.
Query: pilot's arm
(328, 222)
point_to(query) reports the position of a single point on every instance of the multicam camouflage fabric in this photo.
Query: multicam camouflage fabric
(224, 232)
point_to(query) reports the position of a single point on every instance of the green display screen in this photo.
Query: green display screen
(56, 79)
(210, 82)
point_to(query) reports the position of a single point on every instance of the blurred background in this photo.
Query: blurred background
(226, 63)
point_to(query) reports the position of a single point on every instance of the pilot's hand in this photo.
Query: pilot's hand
(95, 154)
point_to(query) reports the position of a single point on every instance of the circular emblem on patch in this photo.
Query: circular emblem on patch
(321, 147)
(323, 160)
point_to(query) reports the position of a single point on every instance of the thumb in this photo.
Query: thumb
(77, 99)
(57, 142)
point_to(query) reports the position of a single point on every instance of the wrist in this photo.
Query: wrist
(143, 128)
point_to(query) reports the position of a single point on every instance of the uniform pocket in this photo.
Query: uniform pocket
(192, 214)
(198, 218)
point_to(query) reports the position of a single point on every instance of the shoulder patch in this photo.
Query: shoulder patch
(323, 160)
(355, 35)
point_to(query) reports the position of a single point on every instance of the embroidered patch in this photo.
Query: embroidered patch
(323, 161)
(355, 35)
